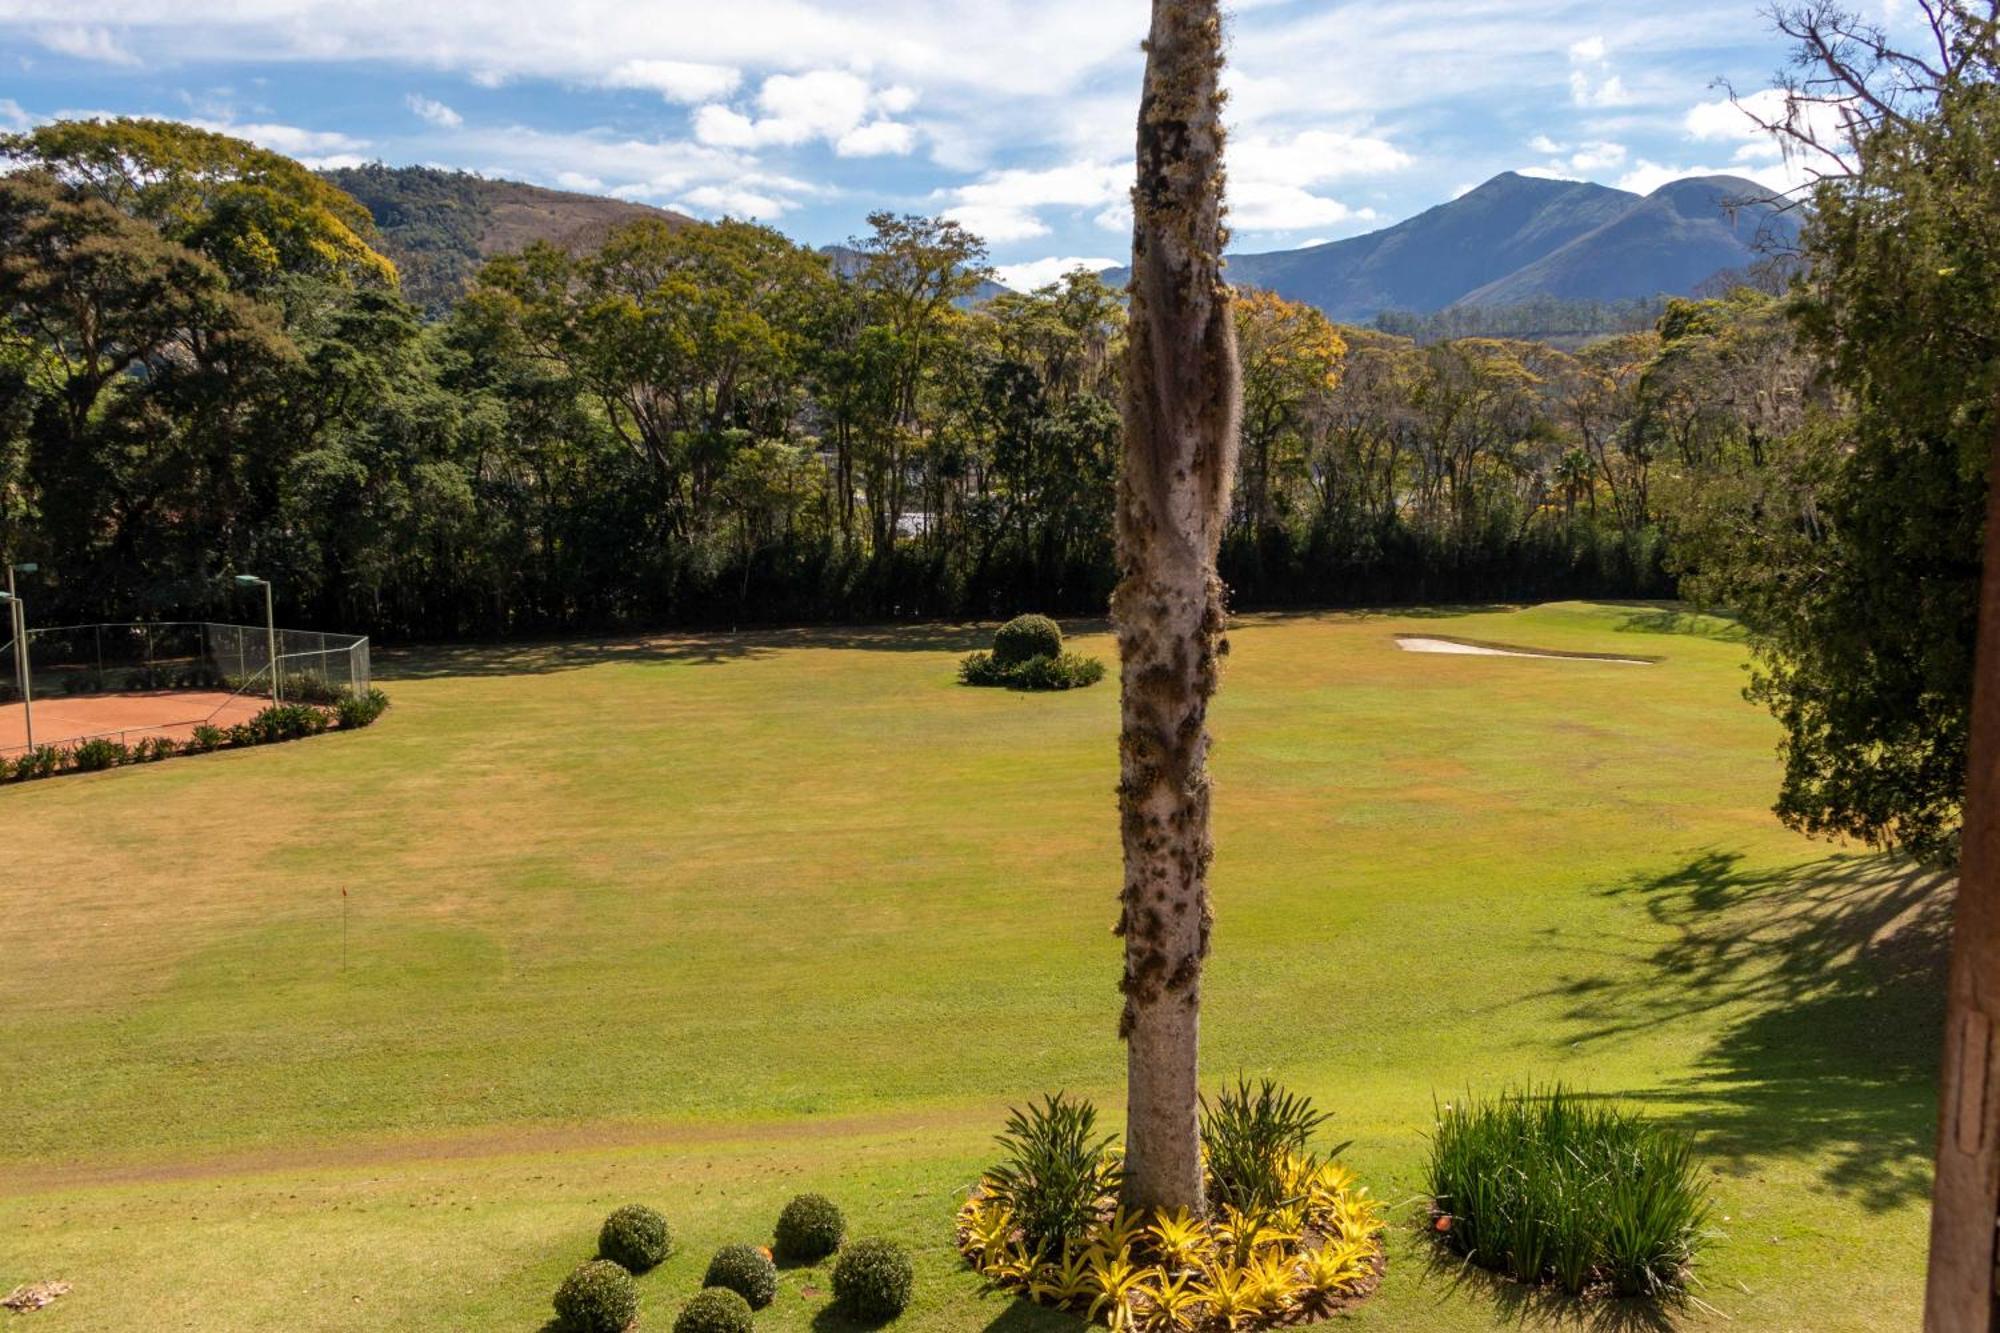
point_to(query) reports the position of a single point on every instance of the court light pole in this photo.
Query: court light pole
(17, 610)
(270, 627)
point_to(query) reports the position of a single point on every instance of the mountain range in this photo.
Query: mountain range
(1517, 239)
(1512, 242)
(440, 226)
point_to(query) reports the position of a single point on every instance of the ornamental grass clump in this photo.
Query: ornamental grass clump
(1028, 655)
(1291, 1237)
(1554, 1188)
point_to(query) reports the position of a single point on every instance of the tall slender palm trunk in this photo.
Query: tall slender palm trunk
(1183, 402)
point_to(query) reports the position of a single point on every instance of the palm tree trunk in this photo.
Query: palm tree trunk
(1182, 407)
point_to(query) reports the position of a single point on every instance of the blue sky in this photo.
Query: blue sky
(1013, 115)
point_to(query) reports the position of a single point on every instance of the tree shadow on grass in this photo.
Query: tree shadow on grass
(1830, 977)
(1543, 1306)
(1024, 1316)
(706, 649)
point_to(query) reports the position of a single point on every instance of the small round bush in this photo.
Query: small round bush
(745, 1270)
(636, 1238)
(810, 1228)
(597, 1298)
(1024, 637)
(714, 1310)
(872, 1281)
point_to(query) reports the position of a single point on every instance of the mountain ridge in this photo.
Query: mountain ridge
(1516, 239)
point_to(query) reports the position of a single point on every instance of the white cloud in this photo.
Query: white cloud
(434, 111)
(682, 81)
(731, 201)
(1589, 51)
(1037, 273)
(1607, 92)
(85, 43)
(1542, 143)
(1599, 156)
(13, 116)
(1274, 206)
(875, 139)
(1647, 176)
(322, 150)
(1005, 205)
(827, 105)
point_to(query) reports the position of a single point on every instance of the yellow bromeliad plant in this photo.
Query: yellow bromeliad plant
(1337, 1268)
(1180, 1239)
(1066, 1281)
(1292, 1237)
(1115, 1280)
(1173, 1303)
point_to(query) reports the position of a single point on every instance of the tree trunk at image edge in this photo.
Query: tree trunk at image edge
(1182, 402)
(1961, 1284)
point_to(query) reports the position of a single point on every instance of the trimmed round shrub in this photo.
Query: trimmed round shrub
(597, 1298)
(1024, 637)
(810, 1227)
(636, 1238)
(872, 1281)
(745, 1270)
(1070, 671)
(714, 1310)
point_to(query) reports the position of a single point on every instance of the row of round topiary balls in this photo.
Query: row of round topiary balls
(871, 1278)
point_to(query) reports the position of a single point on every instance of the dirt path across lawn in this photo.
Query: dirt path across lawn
(20, 1180)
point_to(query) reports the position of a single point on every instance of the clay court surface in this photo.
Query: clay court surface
(130, 716)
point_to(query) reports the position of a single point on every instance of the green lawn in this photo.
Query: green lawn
(703, 921)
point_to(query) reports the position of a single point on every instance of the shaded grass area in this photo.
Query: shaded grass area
(707, 919)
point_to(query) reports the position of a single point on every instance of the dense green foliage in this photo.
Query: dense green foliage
(746, 1270)
(636, 1238)
(1849, 542)
(810, 1228)
(700, 423)
(714, 1310)
(1554, 1187)
(596, 1298)
(1028, 655)
(1054, 1171)
(1024, 637)
(1249, 1136)
(872, 1281)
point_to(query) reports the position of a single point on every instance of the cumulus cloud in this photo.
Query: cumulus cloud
(1006, 205)
(684, 81)
(829, 105)
(434, 111)
(732, 201)
(1591, 81)
(1037, 273)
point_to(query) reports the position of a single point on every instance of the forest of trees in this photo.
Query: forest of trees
(206, 368)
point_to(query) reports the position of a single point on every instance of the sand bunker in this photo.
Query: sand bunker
(1414, 643)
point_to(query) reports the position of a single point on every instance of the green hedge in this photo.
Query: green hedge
(279, 722)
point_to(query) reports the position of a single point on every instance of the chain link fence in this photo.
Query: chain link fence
(205, 656)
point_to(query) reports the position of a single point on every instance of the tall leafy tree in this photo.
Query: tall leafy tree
(1183, 403)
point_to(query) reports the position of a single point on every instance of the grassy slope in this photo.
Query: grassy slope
(709, 920)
